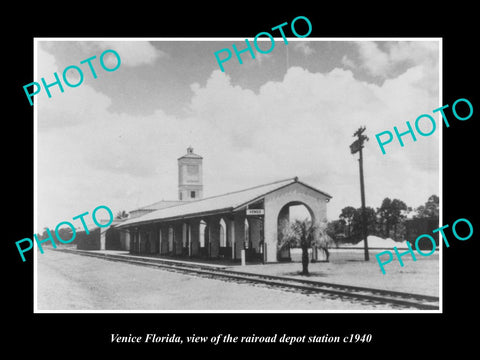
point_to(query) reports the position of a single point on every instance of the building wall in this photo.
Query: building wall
(195, 237)
(188, 181)
(178, 230)
(214, 226)
(255, 235)
(164, 245)
(150, 241)
(89, 241)
(274, 202)
(125, 238)
(276, 209)
(239, 233)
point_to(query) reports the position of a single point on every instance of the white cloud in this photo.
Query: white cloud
(387, 62)
(374, 60)
(301, 125)
(415, 51)
(348, 62)
(132, 53)
(46, 62)
(304, 47)
(71, 107)
(260, 58)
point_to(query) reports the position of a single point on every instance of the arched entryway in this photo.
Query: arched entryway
(225, 250)
(288, 214)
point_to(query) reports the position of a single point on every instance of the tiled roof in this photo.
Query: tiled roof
(160, 205)
(190, 154)
(215, 204)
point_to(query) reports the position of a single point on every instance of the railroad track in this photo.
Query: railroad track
(376, 296)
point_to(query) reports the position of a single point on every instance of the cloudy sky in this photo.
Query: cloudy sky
(115, 140)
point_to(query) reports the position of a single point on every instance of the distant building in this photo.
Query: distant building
(102, 238)
(190, 184)
(190, 176)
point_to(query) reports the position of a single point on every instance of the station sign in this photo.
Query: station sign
(255, 212)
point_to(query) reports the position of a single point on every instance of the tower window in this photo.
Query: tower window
(180, 195)
(192, 194)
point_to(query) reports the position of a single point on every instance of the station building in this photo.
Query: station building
(101, 238)
(219, 226)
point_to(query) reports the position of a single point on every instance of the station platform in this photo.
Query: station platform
(209, 263)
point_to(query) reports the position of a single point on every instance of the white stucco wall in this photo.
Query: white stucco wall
(274, 202)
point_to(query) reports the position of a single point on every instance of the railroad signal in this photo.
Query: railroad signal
(355, 147)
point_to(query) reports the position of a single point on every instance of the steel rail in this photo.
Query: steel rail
(397, 298)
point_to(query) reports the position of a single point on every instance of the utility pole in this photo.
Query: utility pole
(355, 147)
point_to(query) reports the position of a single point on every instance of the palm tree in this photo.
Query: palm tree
(323, 240)
(303, 234)
(121, 215)
(347, 215)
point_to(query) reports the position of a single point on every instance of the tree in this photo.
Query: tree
(65, 233)
(384, 215)
(336, 230)
(398, 209)
(121, 215)
(390, 214)
(357, 222)
(323, 240)
(301, 233)
(430, 209)
(347, 216)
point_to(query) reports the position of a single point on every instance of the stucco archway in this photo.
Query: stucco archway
(301, 212)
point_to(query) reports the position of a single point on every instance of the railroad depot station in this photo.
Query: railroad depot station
(248, 223)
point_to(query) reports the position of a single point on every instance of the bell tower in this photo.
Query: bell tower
(190, 176)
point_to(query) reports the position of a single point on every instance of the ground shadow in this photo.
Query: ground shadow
(299, 274)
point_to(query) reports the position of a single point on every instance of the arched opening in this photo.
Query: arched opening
(142, 239)
(185, 239)
(225, 250)
(148, 245)
(171, 240)
(204, 239)
(223, 237)
(247, 235)
(254, 244)
(134, 241)
(137, 243)
(160, 239)
(112, 239)
(288, 249)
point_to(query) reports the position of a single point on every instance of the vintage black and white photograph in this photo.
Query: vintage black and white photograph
(225, 175)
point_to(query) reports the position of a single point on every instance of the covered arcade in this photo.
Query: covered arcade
(222, 226)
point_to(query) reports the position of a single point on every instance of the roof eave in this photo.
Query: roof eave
(244, 205)
(315, 189)
(180, 217)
